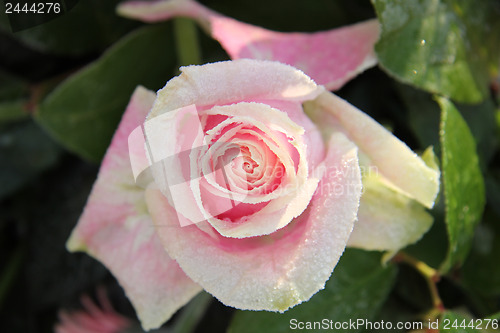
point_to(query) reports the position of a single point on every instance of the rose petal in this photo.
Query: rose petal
(331, 58)
(221, 83)
(276, 215)
(395, 161)
(387, 220)
(283, 269)
(312, 135)
(162, 10)
(116, 229)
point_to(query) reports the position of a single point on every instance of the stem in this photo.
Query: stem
(186, 40)
(10, 272)
(430, 275)
(192, 313)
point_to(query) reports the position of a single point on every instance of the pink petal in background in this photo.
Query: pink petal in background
(331, 58)
(116, 229)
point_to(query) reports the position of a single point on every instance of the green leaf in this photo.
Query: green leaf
(90, 26)
(13, 111)
(25, 151)
(423, 119)
(463, 183)
(495, 316)
(13, 98)
(191, 314)
(358, 287)
(84, 111)
(448, 47)
(12, 87)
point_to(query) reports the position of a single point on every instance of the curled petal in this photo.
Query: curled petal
(261, 79)
(276, 271)
(116, 229)
(331, 58)
(394, 160)
(387, 220)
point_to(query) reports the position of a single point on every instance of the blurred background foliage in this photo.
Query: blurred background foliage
(63, 88)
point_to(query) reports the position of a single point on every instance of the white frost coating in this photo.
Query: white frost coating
(394, 16)
(271, 218)
(281, 270)
(229, 81)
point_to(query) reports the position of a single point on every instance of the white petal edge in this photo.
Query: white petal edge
(393, 158)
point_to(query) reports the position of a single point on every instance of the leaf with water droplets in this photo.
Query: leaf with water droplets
(357, 288)
(448, 47)
(463, 183)
(82, 112)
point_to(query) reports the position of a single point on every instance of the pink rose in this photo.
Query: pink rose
(249, 197)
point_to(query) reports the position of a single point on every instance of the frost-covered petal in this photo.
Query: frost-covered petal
(280, 270)
(227, 82)
(387, 220)
(331, 58)
(276, 215)
(116, 229)
(395, 161)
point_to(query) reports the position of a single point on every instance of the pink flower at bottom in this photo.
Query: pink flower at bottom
(92, 318)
